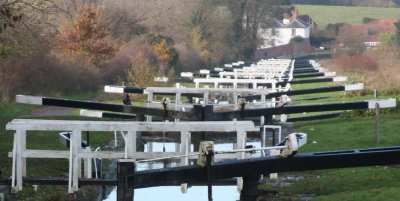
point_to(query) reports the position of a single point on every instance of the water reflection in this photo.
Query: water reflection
(195, 193)
(173, 193)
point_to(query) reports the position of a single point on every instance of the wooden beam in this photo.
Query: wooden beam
(37, 100)
(66, 125)
(350, 87)
(125, 170)
(314, 117)
(109, 154)
(291, 109)
(330, 79)
(247, 167)
(217, 116)
(256, 166)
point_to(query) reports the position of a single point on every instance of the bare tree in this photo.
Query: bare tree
(249, 16)
(25, 24)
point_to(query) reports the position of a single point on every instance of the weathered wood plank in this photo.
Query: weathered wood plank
(351, 87)
(110, 154)
(64, 125)
(125, 188)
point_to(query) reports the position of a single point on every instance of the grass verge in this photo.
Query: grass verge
(349, 183)
(43, 140)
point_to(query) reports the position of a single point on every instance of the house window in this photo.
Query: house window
(293, 32)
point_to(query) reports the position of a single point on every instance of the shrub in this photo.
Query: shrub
(386, 80)
(144, 66)
(142, 75)
(189, 59)
(387, 39)
(377, 69)
(115, 70)
(366, 20)
(164, 50)
(356, 63)
(297, 39)
(44, 75)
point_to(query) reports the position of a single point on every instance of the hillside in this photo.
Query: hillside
(324, 15)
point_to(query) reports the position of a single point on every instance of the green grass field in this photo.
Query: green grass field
(41, 140)
(366, 183)
(324, 15)
(350, 131)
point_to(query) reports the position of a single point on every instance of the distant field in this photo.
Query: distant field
(324, 15)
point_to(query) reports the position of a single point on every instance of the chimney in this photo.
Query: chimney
(295, 13)
(286, 18)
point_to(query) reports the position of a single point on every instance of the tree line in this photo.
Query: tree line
(61, 46)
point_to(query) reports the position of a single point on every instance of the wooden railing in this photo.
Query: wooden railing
(75, 155)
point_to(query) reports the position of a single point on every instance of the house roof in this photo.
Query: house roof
(383, 22)
(295, 23)
(305, 18)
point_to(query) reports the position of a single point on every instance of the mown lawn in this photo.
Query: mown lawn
(324, 15)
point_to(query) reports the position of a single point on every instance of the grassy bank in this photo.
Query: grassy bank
(8, 111)
(324, 15)
(351, 131)
(44, 140)
(367, 183)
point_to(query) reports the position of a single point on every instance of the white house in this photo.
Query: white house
(283, 31)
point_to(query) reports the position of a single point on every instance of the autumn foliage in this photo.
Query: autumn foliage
(87, 36)
(147, 61)
(162, 50)
(356, 63)
(71, 45)
(376, 68)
